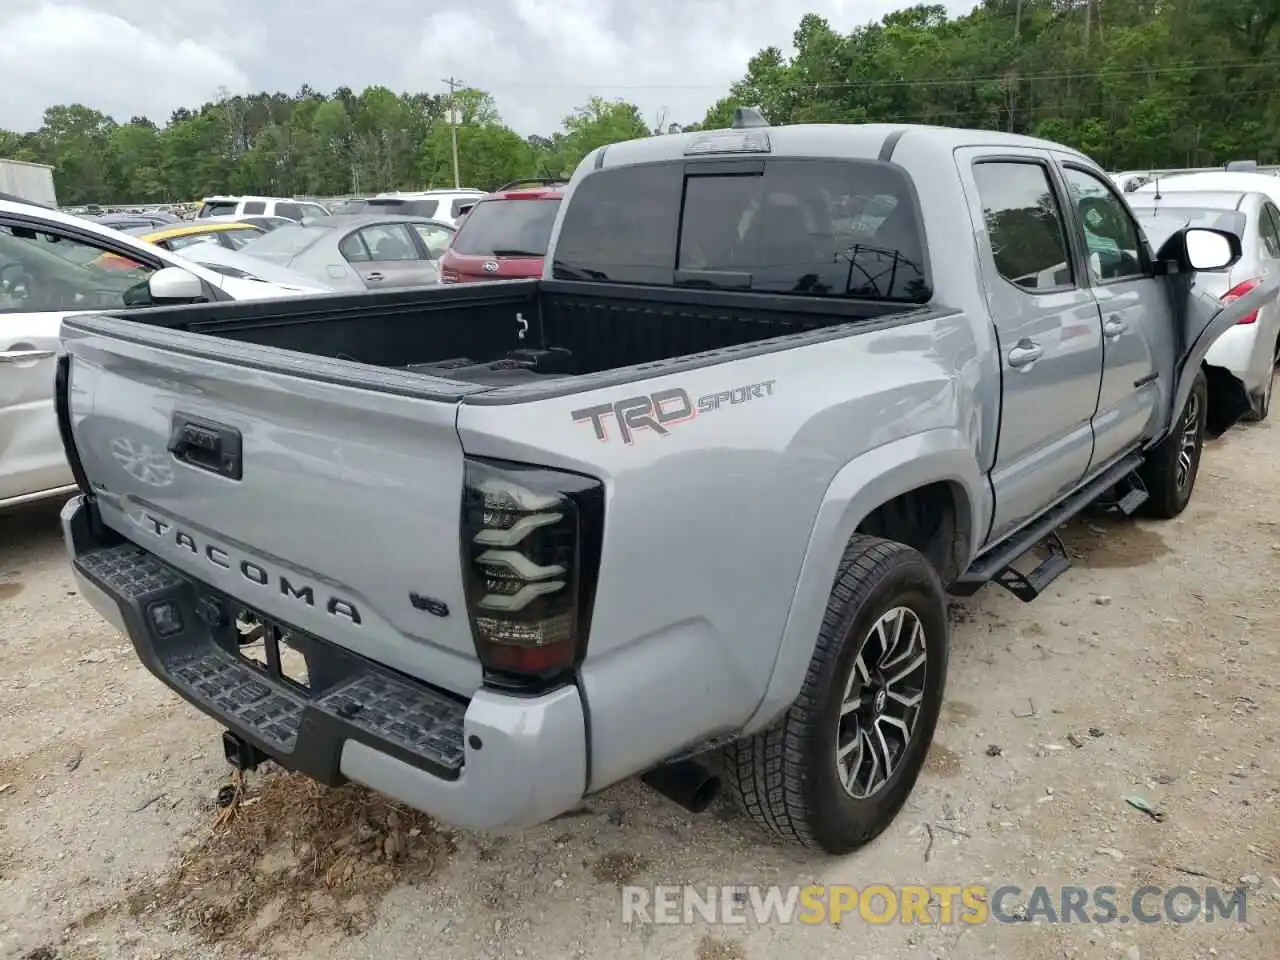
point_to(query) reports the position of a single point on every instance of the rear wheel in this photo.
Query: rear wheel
(1171, 468)
(834, 771)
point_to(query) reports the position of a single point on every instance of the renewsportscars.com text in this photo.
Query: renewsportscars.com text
(882, 904)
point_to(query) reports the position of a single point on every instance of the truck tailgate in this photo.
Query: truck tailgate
(324, 496)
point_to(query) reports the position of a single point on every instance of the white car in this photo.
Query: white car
(1251, 350)
(54, 264)
(446, 205)
(260, 207)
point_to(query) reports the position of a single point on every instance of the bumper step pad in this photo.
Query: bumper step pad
(301, 729)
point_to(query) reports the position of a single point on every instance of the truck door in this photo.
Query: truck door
(1138, 334)
(1047, 326)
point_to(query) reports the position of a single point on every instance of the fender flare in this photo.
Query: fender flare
(857, 489)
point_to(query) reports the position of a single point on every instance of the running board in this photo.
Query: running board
(997, 564)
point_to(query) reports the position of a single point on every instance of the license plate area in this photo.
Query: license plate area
(272, 649)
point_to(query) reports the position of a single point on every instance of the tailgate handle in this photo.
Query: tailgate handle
(207, 445)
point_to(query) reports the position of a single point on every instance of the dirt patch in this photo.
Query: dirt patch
(709, 948)
(957, 711)
(1106, 543)
(942, 761)
(619, 868)
(289, 854)
(10, 590)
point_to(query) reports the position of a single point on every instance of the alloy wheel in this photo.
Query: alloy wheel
(1188, 441)
(881, 702)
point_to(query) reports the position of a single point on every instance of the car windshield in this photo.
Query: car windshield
(285, 243)
(507, 228)
(1161, 223)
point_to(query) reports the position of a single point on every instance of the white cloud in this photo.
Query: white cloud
(539, 58)
(56, 54)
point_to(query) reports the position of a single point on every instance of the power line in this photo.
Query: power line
(1102, 74)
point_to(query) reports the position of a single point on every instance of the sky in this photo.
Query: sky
(539, 58)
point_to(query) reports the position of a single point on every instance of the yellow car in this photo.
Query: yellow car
(230, 234)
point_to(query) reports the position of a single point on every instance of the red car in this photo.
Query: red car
(504, 236)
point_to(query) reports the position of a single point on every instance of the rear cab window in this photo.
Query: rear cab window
(823, 228)
(507, 228)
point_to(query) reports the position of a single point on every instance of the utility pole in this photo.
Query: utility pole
(453, 126)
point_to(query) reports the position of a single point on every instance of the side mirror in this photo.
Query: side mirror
(173, 283)
(1211, 249)
(1199, 248)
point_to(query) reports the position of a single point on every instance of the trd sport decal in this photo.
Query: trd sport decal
(661, 411)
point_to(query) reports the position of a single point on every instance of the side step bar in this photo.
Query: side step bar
(997, 564)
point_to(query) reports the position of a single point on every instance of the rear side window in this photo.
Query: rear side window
(291, 210)
(507, 228)
(1270, 232)
(457, 206)
(812, 227)
(255, 206)
(403, 208)
(1024, 224)
(218, 208)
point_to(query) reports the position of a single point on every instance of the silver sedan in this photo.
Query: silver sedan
(360, 251)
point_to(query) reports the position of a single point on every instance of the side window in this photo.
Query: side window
(291, 210)
(389, 241)
(1269, 227)
(1111, 236)
(313, 210)
(353, 249)
(1024, 224)
(254, 207)
(434, 238)
(41, 271)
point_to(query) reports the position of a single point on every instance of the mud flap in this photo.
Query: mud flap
(1204, 319)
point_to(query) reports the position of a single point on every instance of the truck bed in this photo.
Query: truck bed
(522, 332)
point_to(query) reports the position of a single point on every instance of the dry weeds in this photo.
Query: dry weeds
(289, 854)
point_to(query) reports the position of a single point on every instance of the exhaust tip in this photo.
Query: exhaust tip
(686, 783)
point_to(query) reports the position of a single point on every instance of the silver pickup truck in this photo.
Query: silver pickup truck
(688, 507)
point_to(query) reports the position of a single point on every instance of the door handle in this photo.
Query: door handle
(1113, 327)
(375, 276)
(25, 356)
(1025, 353)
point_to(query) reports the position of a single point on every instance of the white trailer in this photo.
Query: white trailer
(32, 182)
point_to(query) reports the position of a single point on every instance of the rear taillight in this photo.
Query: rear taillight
(1238, 291)
(531, 549)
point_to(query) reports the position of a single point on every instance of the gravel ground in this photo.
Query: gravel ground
(1147, 670)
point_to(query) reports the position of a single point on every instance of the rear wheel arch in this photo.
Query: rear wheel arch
(935, 519)
(937, 468)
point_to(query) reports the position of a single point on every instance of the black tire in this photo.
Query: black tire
(785, 777)
(1169, 487)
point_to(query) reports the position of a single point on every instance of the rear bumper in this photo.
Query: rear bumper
(493, 761)
(1234, 352)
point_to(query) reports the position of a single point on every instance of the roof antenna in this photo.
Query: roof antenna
(1156, 181)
